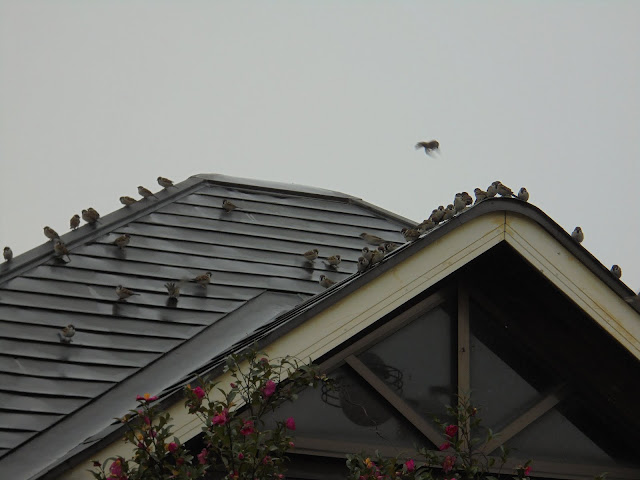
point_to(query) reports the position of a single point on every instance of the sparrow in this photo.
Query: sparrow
(172, 289)
(66, 333)
(90, 215)
(437, 214)
(124, 293)
(228, 206)
(127, 200)
(164, 182)
(378, 255)
(50, 233)
(480, 194)
(144, 192)
(363, 264)
(333, 260)
(577, 235)
(428, 146)
(492, 189)
(410, 234)
(203, 280)
(74, 222)
(7, 254)
(122, 241)
(523, 195)
(467, 198)
(371, 239)
(504, 191)
(311, 255)
(616, 270)
(367, 254)
(60, 249)
(391, 246)
(326, 282)
(459, 203)
(449, 212)
(426, 225)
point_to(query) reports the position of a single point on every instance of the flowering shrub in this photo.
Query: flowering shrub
(237, 443)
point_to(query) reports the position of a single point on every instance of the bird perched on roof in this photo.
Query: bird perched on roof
(124, 293)
(480, 194)
(504, 191)
(391, 246)
(66, 333)
(74, 222)
(122, 241)
(127, 200)
(372, 239)
(577, 235)
(333, 260)
(492, 190)
(173, 290)
(60, 250)
(90, 215)
(311, 255)
(523, 195)
(459, 203)
(377, 255)
(7, 253)
(325, 281)
(366, 253)
(426, 225)
(449, 212)
(203, 280)
(429, 147)
(437, 214)
(165, 182)
(616, 270)
(363, 264)
(410, 234)
(146, 193)
(228, 206)
(50, 233)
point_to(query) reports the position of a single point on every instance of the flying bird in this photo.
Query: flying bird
(50, 233)
(203, 280)
(90, 215)
(333, 260)
(311, 255)
(616, 270)
(173, 290)
(145, 192)
(363, 264)
(74, 222)
(124, 293)
(228, 206)
(165, 182)
(7, 253)
(325, 282)
(429, 147)
(523, 195)
(410, 234)
(372, 239)
(66, 333)
(577, 235)
(480, 194)
(127, 200)
(122, 241)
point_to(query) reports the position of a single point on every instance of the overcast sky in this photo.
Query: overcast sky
(97, 97)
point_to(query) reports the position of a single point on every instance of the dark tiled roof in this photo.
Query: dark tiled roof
(53, 396)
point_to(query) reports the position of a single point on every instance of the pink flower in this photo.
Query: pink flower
(451, 430)
(292, 445)
(444, 446)
(290, 423)
(264, 360)
(145, 398)
(141, 445)
(147, 420)
(233, 385)
(153, 433)
(221, 418)
(240, 456)
(247, 428)
(202, 456)
(116, 468)
(172, 447)
(199, 392)
(269, 388)
(527, 471)
(448, 463)
(411, 465)
(266, 460)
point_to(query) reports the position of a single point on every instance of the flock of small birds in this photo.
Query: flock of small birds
(369, 258)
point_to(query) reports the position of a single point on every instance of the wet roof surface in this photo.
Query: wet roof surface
(254, 254)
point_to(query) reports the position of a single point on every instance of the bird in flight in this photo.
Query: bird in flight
(429, 147)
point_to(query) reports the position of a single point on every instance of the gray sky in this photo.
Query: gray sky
(99, 97)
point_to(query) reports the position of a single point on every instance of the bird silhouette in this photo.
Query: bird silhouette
(429, 147)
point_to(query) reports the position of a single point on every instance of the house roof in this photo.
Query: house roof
(262, 288)
(54, 396)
